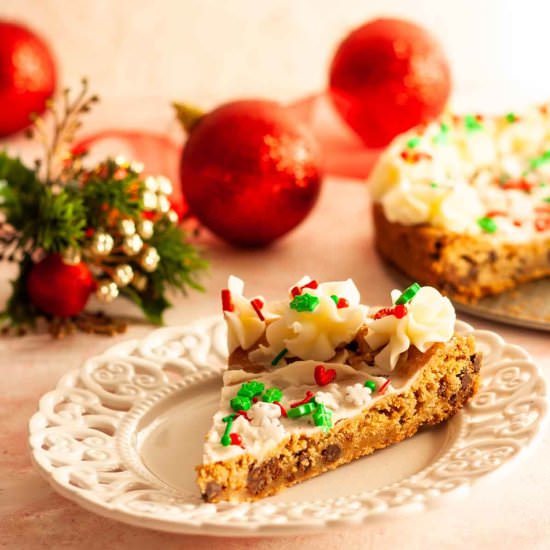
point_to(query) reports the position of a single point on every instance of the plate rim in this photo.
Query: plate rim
(209, 526)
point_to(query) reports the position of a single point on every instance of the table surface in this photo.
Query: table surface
(508, 510)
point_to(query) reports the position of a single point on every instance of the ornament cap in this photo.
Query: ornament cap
(188, 115)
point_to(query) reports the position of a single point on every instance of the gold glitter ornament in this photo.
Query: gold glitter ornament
(106, 291)
(71, 256)
(151, 184)
(102, 243)
(132, 244)
(136, 167)
(150, 200)
(164, 185)
(127, 227)
(163, 204)
(139, 282)
(150, 259)
(123, 274)
(146, 228)
(173, 216)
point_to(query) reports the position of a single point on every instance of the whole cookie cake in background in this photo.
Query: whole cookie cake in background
(463, 203)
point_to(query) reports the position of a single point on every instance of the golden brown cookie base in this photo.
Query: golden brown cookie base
(465, 267)
(449, 376)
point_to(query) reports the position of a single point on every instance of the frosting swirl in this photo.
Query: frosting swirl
(244, 326)
(428, 318)
(314, 331)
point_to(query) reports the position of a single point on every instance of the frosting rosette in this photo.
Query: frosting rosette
(317, 319)
(426, 319)
(244, 325)
(454, 208)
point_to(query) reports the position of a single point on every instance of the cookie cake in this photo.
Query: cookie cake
(317, 379)
(463, 203)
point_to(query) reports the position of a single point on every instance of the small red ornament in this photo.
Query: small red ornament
(323, 376)
(58, 288)
(248, 171)
(388, 76)
(27, 76)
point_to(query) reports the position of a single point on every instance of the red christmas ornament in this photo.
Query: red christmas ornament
(388, 76)
(58, 288)
(248, 171)
(27, 76)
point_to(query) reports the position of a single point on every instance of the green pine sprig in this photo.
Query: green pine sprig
(60, 209)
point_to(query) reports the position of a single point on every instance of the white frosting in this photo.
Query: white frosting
(267, 428)
(475, 165)
(244, 326)
(430, 318)
(313, 334)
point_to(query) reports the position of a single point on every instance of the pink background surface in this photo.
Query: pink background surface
(506, 511)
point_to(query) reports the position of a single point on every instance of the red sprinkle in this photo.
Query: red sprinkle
(309, 396)
(257, 304)
(522, 185)
(255, 399)
(415, 156)
(312, 284)
(495, 213)
(236, 440)
(342, 303)
(542, 224)
(90, 231)
(227, 304)
(283, 410)
(243, 414)
(296, 290)
(384, 387)
(323, 376)
(517, 223)
(398, 311)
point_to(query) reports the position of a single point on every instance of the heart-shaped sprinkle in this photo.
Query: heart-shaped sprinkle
(323, 376)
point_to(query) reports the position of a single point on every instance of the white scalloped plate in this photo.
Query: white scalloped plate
(121, 437)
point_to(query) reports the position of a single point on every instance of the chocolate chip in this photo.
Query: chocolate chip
(353, 346)
(303, 463)
(331, 453)
(260, 476)
(256, 480)
(212, 489)
(442, 390)
(492, 256)
(465, 382)
(475, 359)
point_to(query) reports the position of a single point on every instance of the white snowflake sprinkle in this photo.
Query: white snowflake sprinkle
(358, 395)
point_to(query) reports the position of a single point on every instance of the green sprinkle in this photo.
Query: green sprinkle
(539, 161)
(511, 117)
(543, 184)
(547, 199)
(413, 142)
(442, 136)
(371, 384)
(433, 184)
(487, 224)
(304, 302)
(251, 389)
(279, 356)
(408, 294)
(472, 124)
(272, 394)
(301, 410)
(226, 439)
(334, 298)
(241, 403)
(322, 417)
